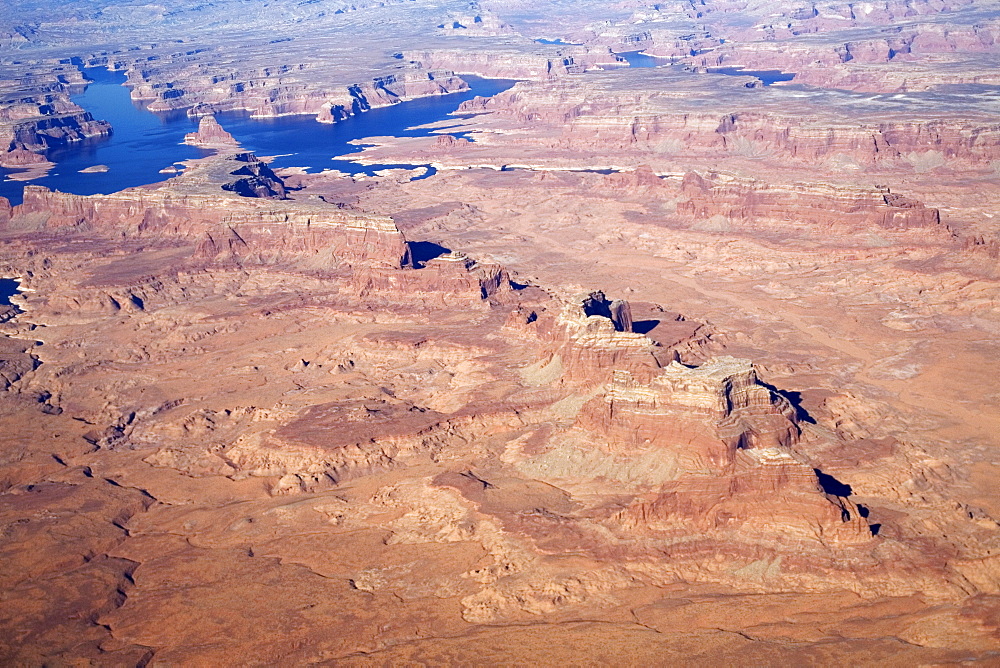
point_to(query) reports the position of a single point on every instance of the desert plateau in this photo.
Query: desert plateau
(500, 333)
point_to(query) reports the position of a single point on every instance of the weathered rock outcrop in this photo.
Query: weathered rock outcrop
(16, 358)
(631, 124)
(50, 131)
(20, 157)
(449, 278)
(478, 23)
(517, 63)
(225, 228)
(617, 311)
(331, 443)
(725, 465)
(210, 134)
(589, 337)
(749, 202)
(704, 415)
(768, 491)
(256, 179)
(593, 344)
(269, 92)
(386, 91)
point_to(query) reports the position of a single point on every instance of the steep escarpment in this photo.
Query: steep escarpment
(36, 113)
(922, 55)
(388, 90)
(227, 229)
(744, 201)
(746, 414)
(770, 123)
(52, 131)
(174, 84)
(510, 62)
(723, 442)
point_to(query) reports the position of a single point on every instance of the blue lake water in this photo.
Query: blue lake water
(8, 288)
(636, 59)
(767, 76)
(143, 142)
(313, 144)
(141, 145)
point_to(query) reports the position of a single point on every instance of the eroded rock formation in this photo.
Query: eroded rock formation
(229, 229)
(210, 135)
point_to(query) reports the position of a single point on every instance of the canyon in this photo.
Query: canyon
(616, 366)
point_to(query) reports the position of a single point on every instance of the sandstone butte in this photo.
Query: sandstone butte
(660, 365)
(210, 135)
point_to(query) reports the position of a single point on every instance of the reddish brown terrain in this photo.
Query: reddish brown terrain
(656, 366)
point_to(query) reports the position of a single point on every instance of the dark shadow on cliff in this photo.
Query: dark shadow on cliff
(423, 252)
(795, 399)
(644, 326)
(831, 485)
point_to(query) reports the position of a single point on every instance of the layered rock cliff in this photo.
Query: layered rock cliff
(388, 90)
(714, 410)
(607, 112)
(226, 228)
(752, 203)
(503, 61)
(36, 112)
(280, 91)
